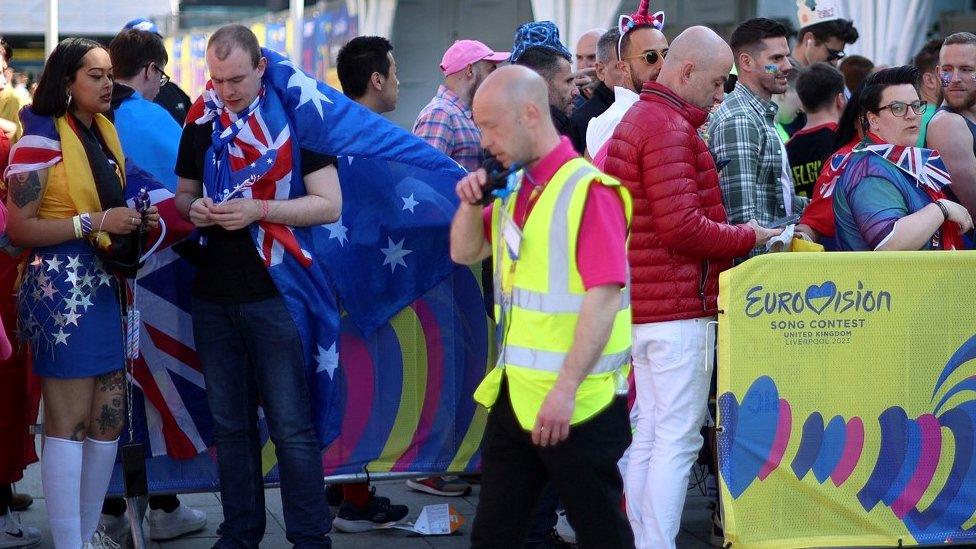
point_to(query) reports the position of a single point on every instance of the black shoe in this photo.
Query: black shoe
(333, 494)
(377, 512)
(553, 541)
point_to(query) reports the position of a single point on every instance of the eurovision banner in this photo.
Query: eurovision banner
(846, 405)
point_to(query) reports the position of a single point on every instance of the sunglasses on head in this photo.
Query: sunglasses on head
(651, 57)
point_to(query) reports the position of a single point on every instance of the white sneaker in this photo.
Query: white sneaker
(181, 521)
(101, 540)
(563, 528)
(15, 534)
(116, 527)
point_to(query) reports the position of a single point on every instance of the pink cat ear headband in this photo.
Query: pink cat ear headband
(639, 18)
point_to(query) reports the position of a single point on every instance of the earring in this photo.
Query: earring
(68, 104)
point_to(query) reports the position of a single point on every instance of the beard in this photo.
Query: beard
(965, 102)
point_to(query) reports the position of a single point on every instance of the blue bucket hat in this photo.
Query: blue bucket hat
(542, 34)
(143, 24)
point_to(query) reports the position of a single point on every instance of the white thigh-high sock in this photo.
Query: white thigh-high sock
(61, 478)
(96, 473)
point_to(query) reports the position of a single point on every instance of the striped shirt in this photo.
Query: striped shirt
(447, 124)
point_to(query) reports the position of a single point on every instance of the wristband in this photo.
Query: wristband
(76, 222)
(86, 224)
(945, 211)
(192, 202)
(265, 207)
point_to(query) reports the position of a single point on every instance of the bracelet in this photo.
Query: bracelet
(945, 211)
(192, 202)
(76, 222)
(86, 224)
(104, 215)
(265, 207)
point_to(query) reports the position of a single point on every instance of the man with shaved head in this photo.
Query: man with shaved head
(586, 55)
(558, 242)
(681, 242)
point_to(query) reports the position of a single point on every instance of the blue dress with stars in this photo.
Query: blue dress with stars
(69, 312)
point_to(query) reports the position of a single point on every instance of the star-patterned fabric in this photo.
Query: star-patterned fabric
(69, 313)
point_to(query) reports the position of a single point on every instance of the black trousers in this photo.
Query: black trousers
(582, 468)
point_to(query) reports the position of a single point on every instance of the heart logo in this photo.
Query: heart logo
(819, 297)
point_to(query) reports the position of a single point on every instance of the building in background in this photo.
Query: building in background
(421, 30)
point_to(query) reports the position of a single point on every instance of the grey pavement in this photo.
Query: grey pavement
(694, 532)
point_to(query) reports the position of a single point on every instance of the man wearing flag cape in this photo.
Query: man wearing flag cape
(276, 255)
(248, 344)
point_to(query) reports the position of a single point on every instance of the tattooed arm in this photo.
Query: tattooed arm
(24, 191)
(25, 229)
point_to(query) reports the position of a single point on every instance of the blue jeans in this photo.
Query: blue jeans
(252, 350)
(544, 519)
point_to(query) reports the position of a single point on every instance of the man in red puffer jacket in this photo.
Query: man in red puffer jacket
(680, 243)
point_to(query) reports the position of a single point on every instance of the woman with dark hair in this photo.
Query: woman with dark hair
(67, 204)
(890, 195)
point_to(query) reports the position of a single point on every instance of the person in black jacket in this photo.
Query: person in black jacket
(537, 46)
(558, 74)
(609, 76)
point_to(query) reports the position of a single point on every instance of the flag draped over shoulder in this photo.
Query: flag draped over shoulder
(38, 149)
(391, 243)
(170, 409)
(924, 165)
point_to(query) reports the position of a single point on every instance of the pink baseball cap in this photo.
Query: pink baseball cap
(466, 52)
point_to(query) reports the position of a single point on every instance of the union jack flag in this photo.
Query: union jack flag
(260, 154)
(925, 166)
(38, 149)
(170, 409)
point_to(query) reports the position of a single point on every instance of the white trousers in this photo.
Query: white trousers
(672, 371)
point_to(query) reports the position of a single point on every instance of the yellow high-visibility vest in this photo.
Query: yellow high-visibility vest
(538, 297)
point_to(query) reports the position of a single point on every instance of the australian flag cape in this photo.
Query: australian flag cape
(389, 246)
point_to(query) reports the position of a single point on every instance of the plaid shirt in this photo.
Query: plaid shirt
(742, 132)
(448, 125)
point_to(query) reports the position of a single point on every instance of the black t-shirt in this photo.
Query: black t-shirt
(807, 150)
(229, 269)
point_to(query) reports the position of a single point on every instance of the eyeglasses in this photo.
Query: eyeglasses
(163, 77)
(834, 55)
(900, 108)
(651, 57)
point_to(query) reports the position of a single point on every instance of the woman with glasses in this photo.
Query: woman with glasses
(891, 195)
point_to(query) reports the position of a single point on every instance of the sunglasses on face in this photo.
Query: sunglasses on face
(651, 57)
(900, 108)
(834, 55)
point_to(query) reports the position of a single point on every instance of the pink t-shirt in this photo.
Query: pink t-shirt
(601, 250)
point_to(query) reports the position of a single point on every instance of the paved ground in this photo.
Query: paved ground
(694, 534)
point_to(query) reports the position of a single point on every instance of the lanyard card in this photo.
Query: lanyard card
(512, 235)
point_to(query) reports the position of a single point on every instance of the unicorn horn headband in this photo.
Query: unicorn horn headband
(638, 19)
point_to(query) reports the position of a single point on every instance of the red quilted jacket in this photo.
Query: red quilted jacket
(680, 240)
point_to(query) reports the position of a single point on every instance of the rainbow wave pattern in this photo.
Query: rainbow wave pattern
(755, 434)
